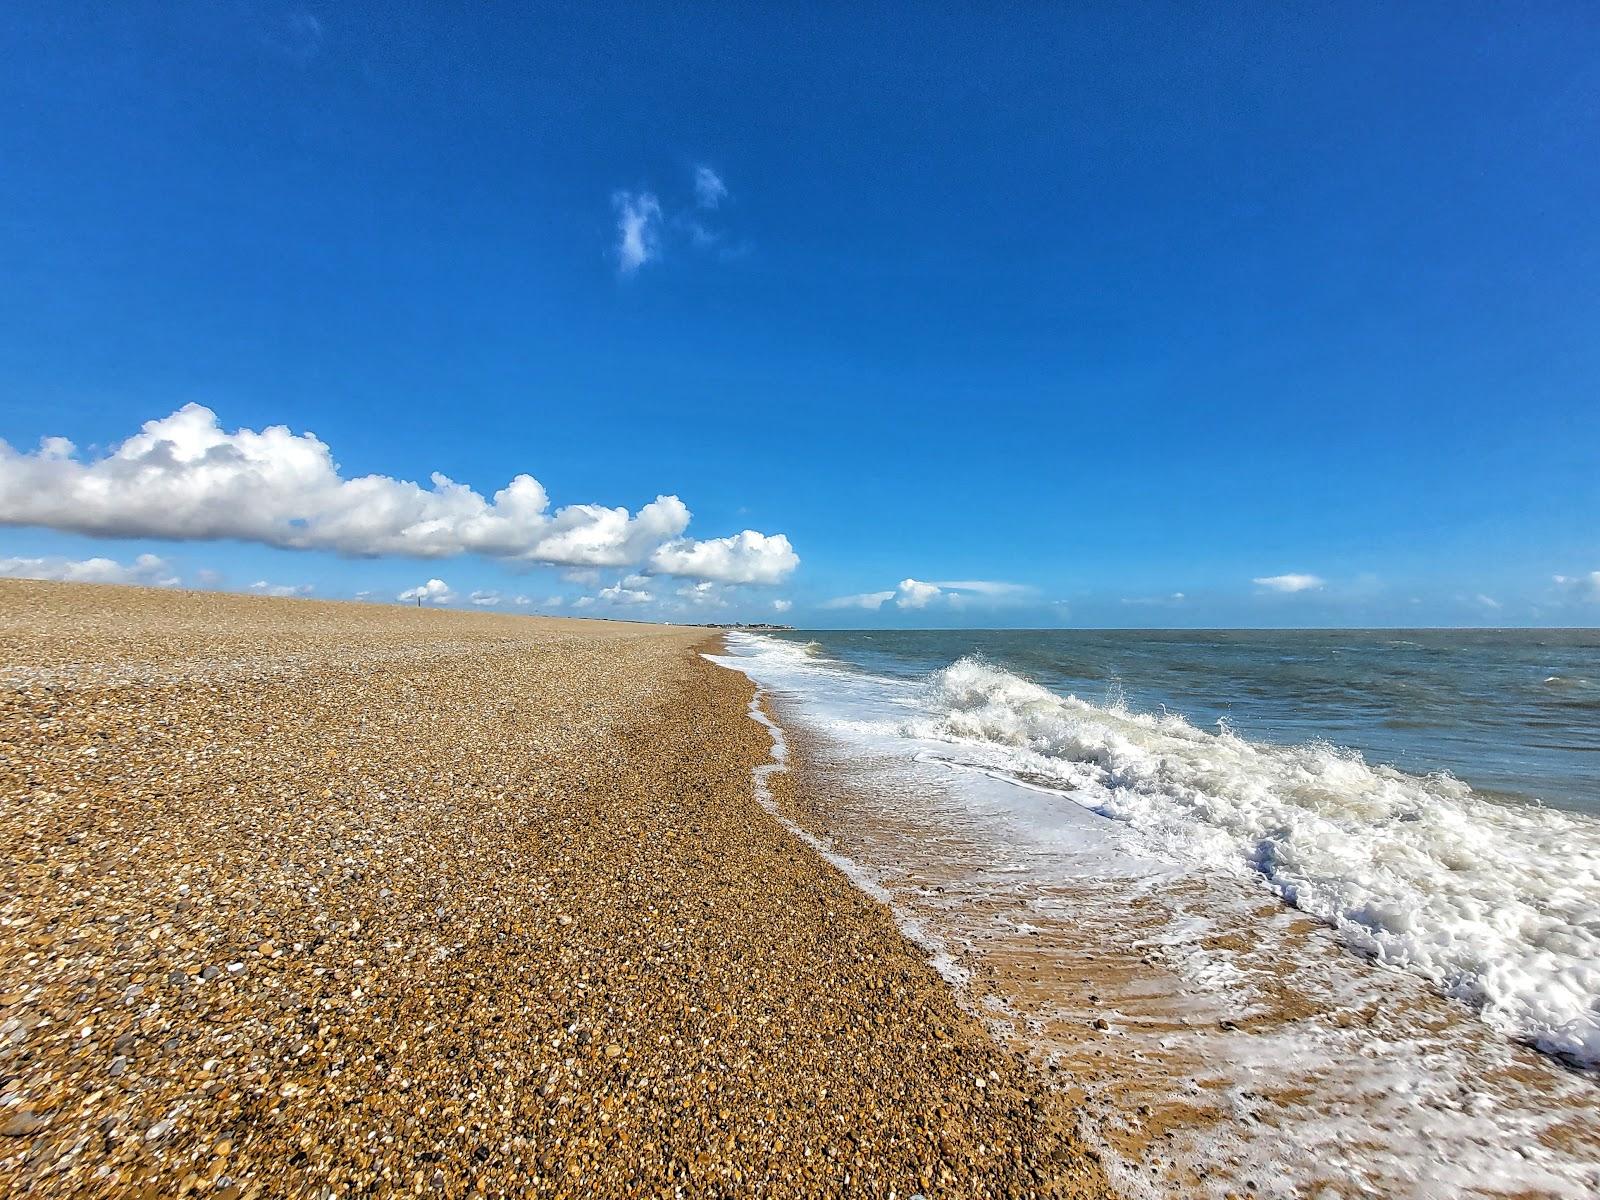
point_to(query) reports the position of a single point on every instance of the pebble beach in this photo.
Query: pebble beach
(326, 899)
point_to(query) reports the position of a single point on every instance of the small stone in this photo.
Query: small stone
(211, 972)
(613, 1050)
(22, 1124)
(119, 1064)
(158, 1131)
(235, 968)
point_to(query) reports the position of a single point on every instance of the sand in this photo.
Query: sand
(329, 899)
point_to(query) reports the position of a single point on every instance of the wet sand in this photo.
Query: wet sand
(1287, 1067)
(327, 899)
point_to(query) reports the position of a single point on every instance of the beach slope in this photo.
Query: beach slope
(328, 899)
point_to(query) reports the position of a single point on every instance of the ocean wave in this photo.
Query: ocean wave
(1497, 905)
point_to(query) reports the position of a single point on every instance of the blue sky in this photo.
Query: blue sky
(1137, 315)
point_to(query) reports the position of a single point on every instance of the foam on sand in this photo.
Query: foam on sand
(1495, 905)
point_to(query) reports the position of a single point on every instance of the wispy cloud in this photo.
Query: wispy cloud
(986, 587)
(638, 229)
(1580, 587)
(709, 190)
(1290, 583)
(1155, 601)
(646, 224)
(871, 601)
(297, 36)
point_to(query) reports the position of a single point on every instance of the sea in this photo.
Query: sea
(1289, 913)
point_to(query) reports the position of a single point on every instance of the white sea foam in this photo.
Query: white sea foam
(939, 956)
(1496, 905)
(1371, 1089)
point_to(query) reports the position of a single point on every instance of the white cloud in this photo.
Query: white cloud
(263, 588)
(435, 591)
(629, 591)
(555, 601)
(868, 600)
(913, 593)
(1290, 583)
(1487, 601)
(909, 593)
(985, 587)
(148, 570)
(703, 595)
(709, 190)
(1580, 587)
(782, 606)
(484, 599)
(638, 229)
(747, 557)
(184, 477)
(521, 601)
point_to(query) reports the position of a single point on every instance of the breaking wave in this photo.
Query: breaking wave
(1497, 905)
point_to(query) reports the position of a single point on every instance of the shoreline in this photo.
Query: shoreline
(331, 899)
(1214, 1040)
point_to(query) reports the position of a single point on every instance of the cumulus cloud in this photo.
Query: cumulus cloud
(1290, 583)
(782, 606)
(629, 591)
(702, 595)
(262, 588)
(484, 599)
(747, 557)
(709, 190)
(186, 478)
(1580, 587)
(913, 593)
(147, 570)
(638, 229)
(435, 591)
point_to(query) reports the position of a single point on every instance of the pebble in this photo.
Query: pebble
(419, 802)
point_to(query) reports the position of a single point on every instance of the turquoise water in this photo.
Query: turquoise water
(1513, 713)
